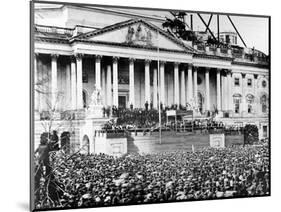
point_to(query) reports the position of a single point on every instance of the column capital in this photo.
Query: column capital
(162, 62)
(72, 58)
(177, 63)
(227, 71)
(243, 75)
(207, 69)
(219, 70)
(54, 56)
(147, 61)
(131, 59)
(78, 56)
(98, 57)
(189, 65)
(256, 76)
(115, 59)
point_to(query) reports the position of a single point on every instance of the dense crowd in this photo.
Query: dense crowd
(97, 180)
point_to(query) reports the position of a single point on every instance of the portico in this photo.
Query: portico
(143, 64)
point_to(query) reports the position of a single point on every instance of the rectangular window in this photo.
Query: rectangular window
(236, 107)
(249, 108)
(236, 82)
(249, 82)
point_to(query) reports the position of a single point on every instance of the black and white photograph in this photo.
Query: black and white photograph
(135, 106)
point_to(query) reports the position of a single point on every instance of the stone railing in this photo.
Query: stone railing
(78, 29)
(55, 30)
(231, 52)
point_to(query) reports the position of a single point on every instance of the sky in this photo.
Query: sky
(254, 30)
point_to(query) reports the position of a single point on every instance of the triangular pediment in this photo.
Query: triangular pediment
(136, 32)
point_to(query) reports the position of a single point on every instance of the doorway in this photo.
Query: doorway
(122, 101)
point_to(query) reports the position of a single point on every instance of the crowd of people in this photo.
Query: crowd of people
(99, 180)
(203, 125)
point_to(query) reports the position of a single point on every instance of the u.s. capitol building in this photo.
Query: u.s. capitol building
(112, 57)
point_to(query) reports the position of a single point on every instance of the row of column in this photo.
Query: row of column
(180, 95)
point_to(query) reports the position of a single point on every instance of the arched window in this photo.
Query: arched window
(250, 101)
(236, 102)
(263, 101)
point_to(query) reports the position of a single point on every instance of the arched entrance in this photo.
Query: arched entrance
(85, 145)
(65, 142)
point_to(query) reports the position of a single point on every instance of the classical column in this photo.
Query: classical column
(183, 100)
(195, 86)
(98, 71)
(73, 83)
(147, 81)
(162, 83)
(207, 81)
(219, 89)
(131, 82)
(186, 85)
(79, 82)
(257, 99)
(155, 86)
(176, 84)
(115, 81)
(243, 100)
(103, 88)
(68, 88)
(229, 91)
(108, 86)
(54, 81)
(190, 86)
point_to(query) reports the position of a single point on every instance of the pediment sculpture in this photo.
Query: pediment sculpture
(141, 36)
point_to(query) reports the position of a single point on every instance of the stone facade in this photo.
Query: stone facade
(121, 59)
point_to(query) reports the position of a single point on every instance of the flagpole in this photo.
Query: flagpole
(159, 90)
